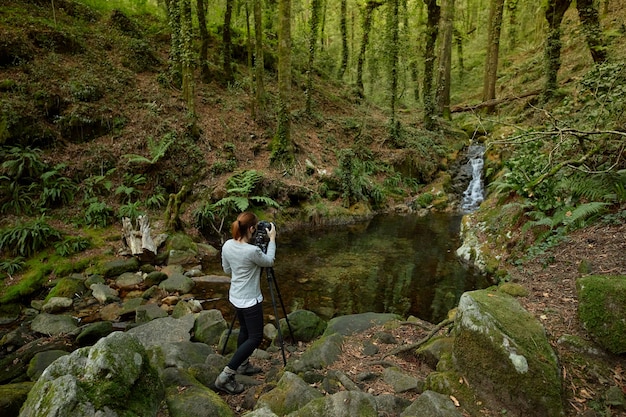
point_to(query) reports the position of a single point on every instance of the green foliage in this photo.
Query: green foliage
(57, 189)
(354, 178)
(12, 265)
(16, 197)
(239, 189)
(98, 213)
(158, 199)
(97, 185)
(22, 162)
(25, 239)
(157, 149)
(71, 245)
(128, 191)
(131, 210)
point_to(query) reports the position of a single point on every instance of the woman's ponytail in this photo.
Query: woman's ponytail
(244, 221)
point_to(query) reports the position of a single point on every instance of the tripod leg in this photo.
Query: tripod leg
(230, 330)
(280, 333)
(280, 298)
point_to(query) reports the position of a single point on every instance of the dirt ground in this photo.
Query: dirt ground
(552, 300)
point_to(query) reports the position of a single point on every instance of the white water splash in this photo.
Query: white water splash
(474, 194)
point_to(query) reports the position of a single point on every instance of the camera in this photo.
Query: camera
(260, 237)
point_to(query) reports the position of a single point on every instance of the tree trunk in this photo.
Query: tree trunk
(204, 40)
(227, 42)
(367, 26)
(432, 30)
(511, 6)
(344, 38)
(393, 52)
(281, 147)
(588, 15)
(259, 62)
(175, 61)
(139, 240)
(554, 15)
(315, 15)
(442, 98)
(458, 38)
(493, 49)
(187, 56)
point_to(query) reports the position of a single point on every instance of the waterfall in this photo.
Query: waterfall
(474, 194)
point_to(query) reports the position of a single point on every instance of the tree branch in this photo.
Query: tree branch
(419, 343)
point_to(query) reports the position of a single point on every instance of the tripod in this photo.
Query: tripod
(273, 286)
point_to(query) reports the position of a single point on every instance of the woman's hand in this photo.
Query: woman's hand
(271, 232)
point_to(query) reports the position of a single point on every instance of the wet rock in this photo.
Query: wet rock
(53, 324)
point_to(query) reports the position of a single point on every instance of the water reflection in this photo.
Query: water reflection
(399, 264)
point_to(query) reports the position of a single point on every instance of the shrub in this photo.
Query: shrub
(98, 214)
(71, 245)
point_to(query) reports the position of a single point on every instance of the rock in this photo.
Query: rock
(185, 354)
(177, 283)
(93, 332)
(602, 308)
(53, 324)
(68, 287)
(505, 355)
(431, 404)
(41, 361)
(57, 305)
(162, 331)
(154, 278)
(356, 323)
(209, 326)
(291, 394)
(320, 354)
(400, 381)
(129, 281)
(187, 397)
(390, 405)
(433, 350)
(12, 396)
(149, 312)
(119, 266)
(111, 378)
(306, 325)
(9, 313)
(184, 307)
(341, 404)
(182, 257)
(103, 293)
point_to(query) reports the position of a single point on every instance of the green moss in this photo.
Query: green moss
(30, 283)
(602, 305)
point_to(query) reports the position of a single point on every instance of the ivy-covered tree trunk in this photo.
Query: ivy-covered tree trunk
(367, 26)
(393, 32)
(175, 60)
(259, 63)
(493, 50)
(588, 14)
(458, 39)
(201, 7)
(282, 149)
(432, 30)
(511, 6)
(343, 25)
(187, 53)
(227, 44)
(442, 98)
(554, 15)
(315, 16)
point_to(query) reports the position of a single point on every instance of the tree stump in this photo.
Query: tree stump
(139, 240)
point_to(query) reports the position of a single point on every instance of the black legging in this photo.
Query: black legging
(250, 334)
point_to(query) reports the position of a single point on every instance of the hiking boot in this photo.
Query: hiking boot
(247, 368)
(226, 382)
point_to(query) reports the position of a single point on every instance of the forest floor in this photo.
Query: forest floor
(552, 300)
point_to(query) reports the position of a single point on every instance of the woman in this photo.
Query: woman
(244, 262)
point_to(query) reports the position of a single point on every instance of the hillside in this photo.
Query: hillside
(89, 88)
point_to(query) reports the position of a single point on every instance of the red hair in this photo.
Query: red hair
(244, 221)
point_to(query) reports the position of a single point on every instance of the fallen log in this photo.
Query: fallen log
(139, 240)
(419, 343)
(491, 103)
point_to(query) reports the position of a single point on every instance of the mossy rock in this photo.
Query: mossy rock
(602, 308)
(67, 287)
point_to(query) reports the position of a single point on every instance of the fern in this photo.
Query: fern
(157, 150)
(22, 162)
(25, 239)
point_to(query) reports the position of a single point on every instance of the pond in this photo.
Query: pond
(404, 264)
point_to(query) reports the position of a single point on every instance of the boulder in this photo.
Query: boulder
(291, 394)
(306, 325)
(111, 378)
(431, 404)
(209, 326)
(187, 397)
(602, 310)
(503, 352)
(341, 404)
(12, 396)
